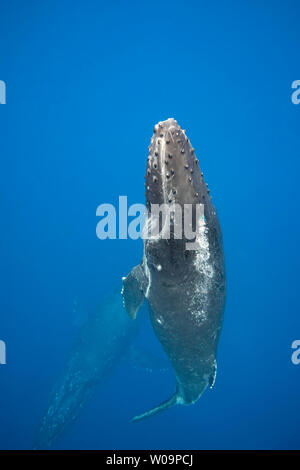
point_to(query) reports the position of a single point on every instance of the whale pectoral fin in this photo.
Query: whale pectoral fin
(133, 290)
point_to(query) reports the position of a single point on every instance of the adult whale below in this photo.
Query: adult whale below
(99, 346)
(185, 288)
(106, 339)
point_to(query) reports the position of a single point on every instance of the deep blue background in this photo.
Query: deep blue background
(86, 82)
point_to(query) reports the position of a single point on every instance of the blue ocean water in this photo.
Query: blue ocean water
(86, 82)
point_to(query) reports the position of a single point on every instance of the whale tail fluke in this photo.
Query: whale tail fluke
(174, 400)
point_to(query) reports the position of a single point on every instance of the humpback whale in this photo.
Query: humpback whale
(185, 288)
(100, 344)
(107, 338)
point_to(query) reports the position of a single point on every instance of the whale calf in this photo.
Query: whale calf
(185, 288)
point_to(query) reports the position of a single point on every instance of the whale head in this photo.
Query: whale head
(175, 182)
(172, 173)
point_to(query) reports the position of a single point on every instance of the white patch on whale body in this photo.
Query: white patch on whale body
(205, 268)
(147, 274)
(146, 228)
(150, 228)
(215, 374)
(200, 316)
(202, 257)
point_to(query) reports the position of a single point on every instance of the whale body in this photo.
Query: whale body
(184, 287)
